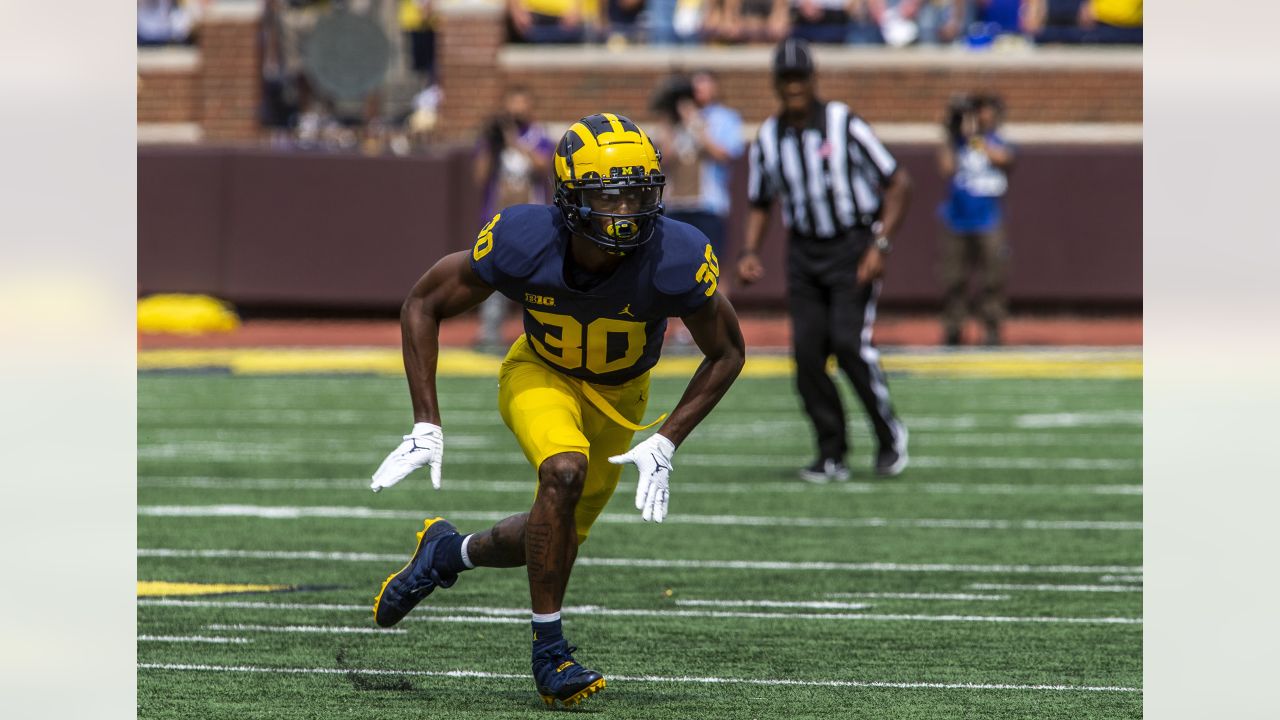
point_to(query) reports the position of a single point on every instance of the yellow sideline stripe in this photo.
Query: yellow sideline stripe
(465, 363)
(160, 588)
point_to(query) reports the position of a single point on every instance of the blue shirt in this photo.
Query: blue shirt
(1001, 12)
(976, 188)
(724, 126)
(612, 332)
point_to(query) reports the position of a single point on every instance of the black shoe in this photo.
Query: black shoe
(951, 338)
(891, 460)
(403, 590)
(560, 677)
(824, 471)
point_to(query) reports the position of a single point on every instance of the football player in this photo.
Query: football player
(598, 275)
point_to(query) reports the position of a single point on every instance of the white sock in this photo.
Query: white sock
(466, 559)
(546, 617)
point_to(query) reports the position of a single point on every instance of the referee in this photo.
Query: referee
(843, 196)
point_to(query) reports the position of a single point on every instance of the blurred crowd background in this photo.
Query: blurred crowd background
(315, 156)
(395, 43)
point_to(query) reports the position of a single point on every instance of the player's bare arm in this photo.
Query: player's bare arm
(450, 287)
(715, 330)
(897, 195)
(714, 327)
(750, 269)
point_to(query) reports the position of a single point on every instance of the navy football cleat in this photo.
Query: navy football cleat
(560, 677)
(415, 581)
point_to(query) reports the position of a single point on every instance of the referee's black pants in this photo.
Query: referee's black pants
(831, 314)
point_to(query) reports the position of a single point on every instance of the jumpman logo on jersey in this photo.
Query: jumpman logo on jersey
(626, 310)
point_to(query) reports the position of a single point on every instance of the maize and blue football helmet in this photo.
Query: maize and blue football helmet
(609, 182)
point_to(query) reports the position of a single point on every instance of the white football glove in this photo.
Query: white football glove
(423, 446)
(652, 457)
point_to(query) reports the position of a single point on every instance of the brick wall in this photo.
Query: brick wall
(468, 43)
(214, 85)
(906, 94)
(230, 79)
(168, 96)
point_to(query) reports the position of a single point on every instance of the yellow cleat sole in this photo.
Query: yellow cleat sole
(577, 697)
(377, 600)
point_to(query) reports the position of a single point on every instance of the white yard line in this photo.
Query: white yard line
(801, 604)
(1007, 463)
(1120, 578)
(640, 678)
(247, 452)
(526, 487)
(252, 605)
(1078, 419)
(521, 614)
(917, 596)
(992, 414)
(473, 619)
(667, 563)
(293, 512)
(317, 629)
(194, 639)
(1058, 588)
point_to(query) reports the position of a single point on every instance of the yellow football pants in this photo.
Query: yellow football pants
(551, 413)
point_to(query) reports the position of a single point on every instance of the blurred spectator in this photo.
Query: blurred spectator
(673, 22)
(620, 20)
(753, 21)
(417, 127)
(975, 160)
(279, 106)
(292, 24)
(980, 21)
(864, 23)
(904, 22)
(168, 22)
(699, 138)
(546, 21)
(512, 163)
(830, 21)
(418, 23)
(1085, 21)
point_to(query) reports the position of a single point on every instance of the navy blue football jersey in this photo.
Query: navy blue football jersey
(612, 332)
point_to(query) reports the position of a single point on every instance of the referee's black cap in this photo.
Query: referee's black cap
(793, 57)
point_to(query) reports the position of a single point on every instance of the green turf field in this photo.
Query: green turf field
(1000, 576)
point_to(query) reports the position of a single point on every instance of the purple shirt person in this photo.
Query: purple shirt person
(512, 164)
(513, 157)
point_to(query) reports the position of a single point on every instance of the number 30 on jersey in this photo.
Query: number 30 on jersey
(573, 348)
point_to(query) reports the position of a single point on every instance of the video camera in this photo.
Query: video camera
(958, 110)
(962, 113)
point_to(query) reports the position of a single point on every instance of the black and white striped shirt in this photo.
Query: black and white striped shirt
(830, 175)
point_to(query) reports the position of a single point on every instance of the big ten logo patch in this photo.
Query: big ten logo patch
(484, 242)
(545, 300)
(709, 272)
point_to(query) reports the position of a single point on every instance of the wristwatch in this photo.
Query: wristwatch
(881, 240)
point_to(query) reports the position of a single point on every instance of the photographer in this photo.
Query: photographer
(699, 138)
(512, 162)
(976, 161)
